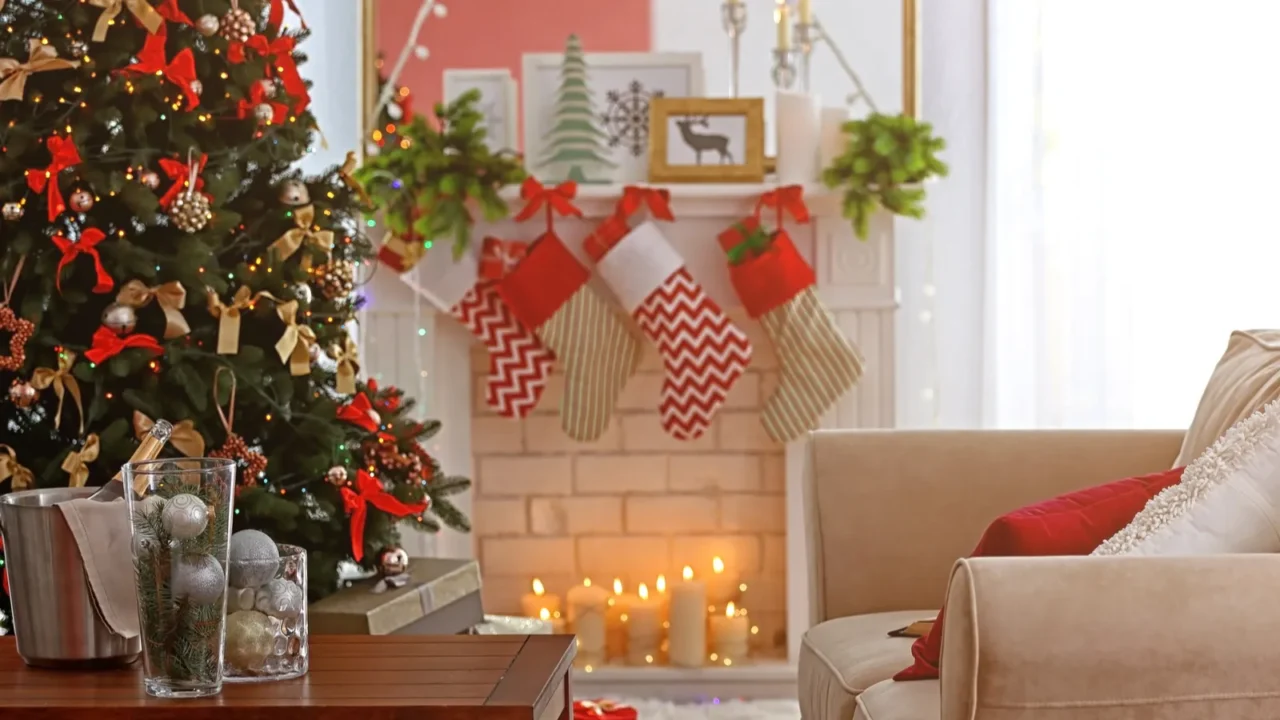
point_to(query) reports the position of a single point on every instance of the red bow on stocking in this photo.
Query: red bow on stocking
(276, 16)
(88, 246)
(170, 11)
(499, 257)
(258, 96)
(788, 200)
(107, 344)
(279, 56)
(557, 200)
(658, 200)
(360, 412)
(64, 155)
(181, 71)
(180, 173)
(369, 491)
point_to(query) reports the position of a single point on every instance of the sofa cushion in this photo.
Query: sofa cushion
(1245, 379)
(841, 658)
(891, 700)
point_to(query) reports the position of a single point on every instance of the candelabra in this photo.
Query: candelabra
(733, 14)
(784, 67)
(808, 35)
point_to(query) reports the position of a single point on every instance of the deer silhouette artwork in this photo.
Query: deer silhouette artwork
(698, 143)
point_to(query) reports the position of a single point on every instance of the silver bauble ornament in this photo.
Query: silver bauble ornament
(190, 212)
(22, 393)
(251, 636)
(254, 559)
(302, 292)
(393, 560)
(294, 193)
(337, 475)
(77, 49)
(207, 25)
(185, 516)
(240, 599)
(263, 113)
(237, 25)
(196, 87)
(12, 211)
(120, 319)
(149, 179)
(279, 598)
(198, 578)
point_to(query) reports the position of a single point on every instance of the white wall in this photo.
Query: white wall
(333, 64)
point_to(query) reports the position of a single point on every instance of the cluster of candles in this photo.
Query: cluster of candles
(782, 16)
(692, 623)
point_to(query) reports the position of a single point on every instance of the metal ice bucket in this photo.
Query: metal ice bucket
(54, 617)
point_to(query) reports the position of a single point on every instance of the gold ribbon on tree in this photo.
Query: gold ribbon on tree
(77, 463)
(229, 316)
(294, 346)
(11, 468)
(63, 384)
(111, 9)
(347, 173)
(170, 296)
(41, 58)
(184, 437)
(287, 244)
(348, 357)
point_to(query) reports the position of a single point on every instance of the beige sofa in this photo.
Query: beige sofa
(890, 512)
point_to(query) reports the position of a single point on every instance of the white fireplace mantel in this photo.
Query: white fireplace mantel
(855, 280)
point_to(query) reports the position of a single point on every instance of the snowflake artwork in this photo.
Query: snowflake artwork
(626, 119)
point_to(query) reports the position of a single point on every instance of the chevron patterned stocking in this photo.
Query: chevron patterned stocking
(703, 353)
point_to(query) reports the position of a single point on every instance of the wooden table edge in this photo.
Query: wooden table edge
(528, 685)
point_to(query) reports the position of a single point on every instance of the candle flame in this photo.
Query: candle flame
(729, 610)
(617, 586)
(687, 573)
(544, 614)
(662, 583)
(586, 582)
(717, 565)
(644, 591)
(538, 588)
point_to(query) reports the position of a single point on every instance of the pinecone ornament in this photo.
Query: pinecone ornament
(336, 279)
(235, 448)
(237, 25)
(190, 212)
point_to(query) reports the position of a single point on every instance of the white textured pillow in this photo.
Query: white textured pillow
(1227, 502)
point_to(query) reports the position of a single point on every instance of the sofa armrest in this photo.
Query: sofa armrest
(1115, 637)
(887, 512)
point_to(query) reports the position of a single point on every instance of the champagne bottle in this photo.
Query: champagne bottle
(148, 449)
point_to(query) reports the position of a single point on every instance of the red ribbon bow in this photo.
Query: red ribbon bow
(788, 200)
(258, 96)
(558, 200)
(64, 155)
(170, 11)
(181, 71)
(369, 491)
(106, 345)
(499, 257)
(360, 412)
(389, 400)
(180, 173)
(602, 710)
(658, 200)
(88, 245)
(279, 56)
(276, 16)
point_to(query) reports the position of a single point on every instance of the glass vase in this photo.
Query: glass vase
(180, 512)
(266, 615)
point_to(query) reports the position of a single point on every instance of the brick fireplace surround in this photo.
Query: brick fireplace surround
(637, 503)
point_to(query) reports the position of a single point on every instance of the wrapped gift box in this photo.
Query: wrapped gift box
(441, 597)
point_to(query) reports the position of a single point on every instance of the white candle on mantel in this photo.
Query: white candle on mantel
(722, 586)
(532, 602)
(729, 634)
(586, 606)
(687, 640)
(644, 628)
(782, 16)
(806, 12)
(616, 621)
(557, 622)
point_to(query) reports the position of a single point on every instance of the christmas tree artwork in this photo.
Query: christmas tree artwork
(575, 145)
(161, 257)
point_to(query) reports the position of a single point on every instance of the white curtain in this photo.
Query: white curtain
(1131, 200)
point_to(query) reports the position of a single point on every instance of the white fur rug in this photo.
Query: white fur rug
(722, 710)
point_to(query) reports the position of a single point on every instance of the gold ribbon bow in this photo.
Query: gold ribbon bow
(77, 463)
(348, 357)
(11, 468)
(63, 384)
(229, 316)
(184, 437)
(170, 296)
(287, 244)
(41, 58)
(347, 173)
(111, 9)
(294, 346)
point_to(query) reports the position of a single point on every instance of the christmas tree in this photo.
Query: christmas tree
(161, 258)
(575, 144)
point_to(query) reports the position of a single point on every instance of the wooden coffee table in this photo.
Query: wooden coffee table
(451, 677)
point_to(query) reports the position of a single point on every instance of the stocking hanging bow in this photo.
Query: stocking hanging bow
(304, 233)
(41, 58)
(557, 200)
(181, 71)
(64, 155)
(499, 257)
(294, 345)
(87, 246)
(787, 200)
(369, 491)
(63, 384)
(657, 200)
(141, 9)
(77, 462)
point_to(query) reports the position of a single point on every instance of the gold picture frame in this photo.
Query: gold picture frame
(745, 157)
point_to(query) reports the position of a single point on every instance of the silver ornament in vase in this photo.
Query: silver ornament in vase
(279, 598)
(12, 211)
(184, 516)
(198, 579)
(294, 193)
(120, 318)
(254, 559)
(190, 212)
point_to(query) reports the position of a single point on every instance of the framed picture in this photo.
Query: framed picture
(616, 110)
(707, 140)
(497, 102)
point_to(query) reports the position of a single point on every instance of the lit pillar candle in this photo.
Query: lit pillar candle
(729, 634)
(722, 586)
(533, 602)
(557, 622)
(616, 620)
(586, 607)
(644, 628)
(782, 16)
(687, 640)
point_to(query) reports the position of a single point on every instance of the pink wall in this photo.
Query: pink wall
(495, 33)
